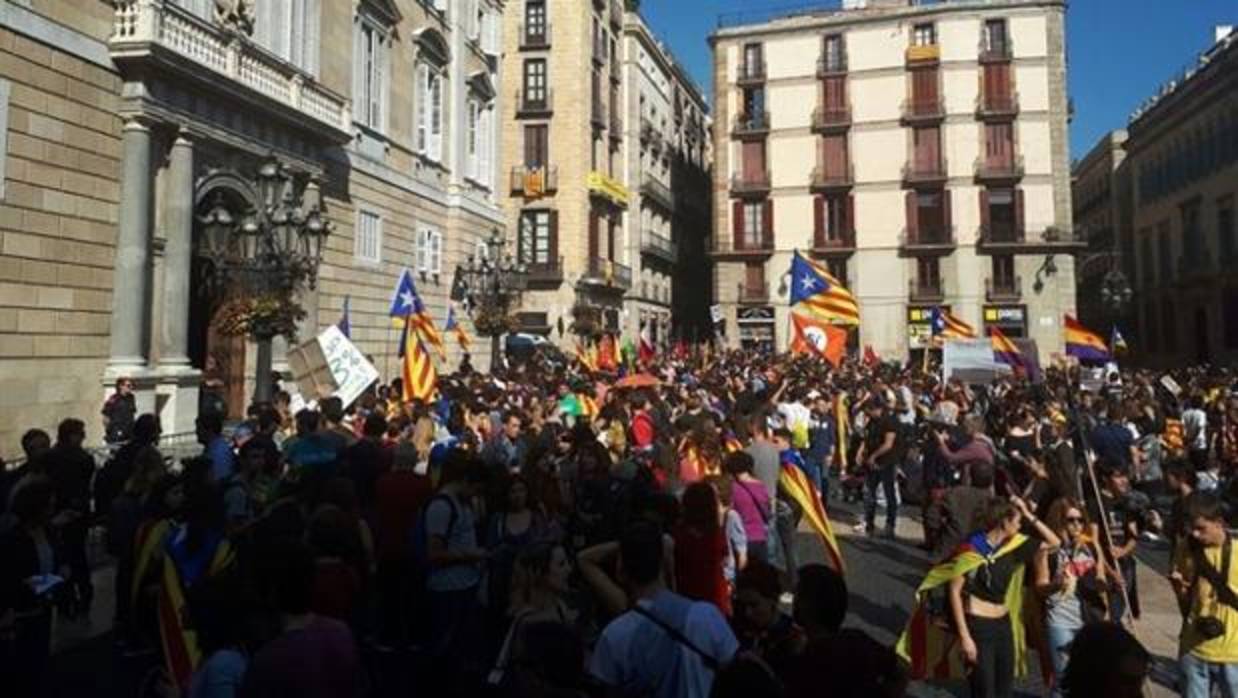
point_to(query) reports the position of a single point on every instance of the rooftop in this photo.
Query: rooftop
(797, 16)
(1185, 76)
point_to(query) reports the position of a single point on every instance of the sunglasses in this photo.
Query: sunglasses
(1074, 519)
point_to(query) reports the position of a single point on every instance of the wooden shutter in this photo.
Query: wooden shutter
(380, 81)
(984, 210)
(913, 215)
(310, 40)
(593, 234)
(358, 71)
(818, 219)
(835, 92)
(947, 213)
(553, 245)
(754, 275)
(1018, 213)
(737, 224)
(849, 224)
(768, 237)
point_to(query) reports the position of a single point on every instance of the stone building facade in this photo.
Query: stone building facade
(1181, 160)
(1101, 194)
(586, 180)
(919, 151)
(126, 119)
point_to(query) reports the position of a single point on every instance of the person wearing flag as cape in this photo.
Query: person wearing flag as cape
(978, 632)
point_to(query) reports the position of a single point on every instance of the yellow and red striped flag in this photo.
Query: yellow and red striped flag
(420, 376)
(587, 357)
(795, 483)
(815, 290)
(182, 652)
(588, 405)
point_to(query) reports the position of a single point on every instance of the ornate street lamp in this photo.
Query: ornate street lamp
(266, 257)
(490, 284)
(1116, 293)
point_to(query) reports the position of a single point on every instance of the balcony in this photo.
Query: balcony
(747, 247)
(534, 182)
(659, 246)
(597, 114)
(926, 291)
(931, 241)
(831, 119)
(751, 125)
(750, 72)
(1002, 171)
(825, 180)
(1007, 290)
(533, 37)
(923, 174)
(544, 273)
(995, 51)
(1000, 107)
(658, 193)
(750, 185)
(922, 112)
(535, 104)
(206, 58)
(919, 55)
(650, 135)
(832, 65)
(1000, 238)
(752, 294)
(607, 273)
(833, 243)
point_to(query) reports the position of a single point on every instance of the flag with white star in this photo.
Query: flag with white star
(816, 291)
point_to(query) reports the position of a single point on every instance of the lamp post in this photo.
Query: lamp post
(268, 255)
(490, 284)
(1116, 293)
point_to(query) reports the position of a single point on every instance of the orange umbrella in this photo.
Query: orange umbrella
(638, 380)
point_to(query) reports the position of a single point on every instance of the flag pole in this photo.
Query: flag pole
(387, 361)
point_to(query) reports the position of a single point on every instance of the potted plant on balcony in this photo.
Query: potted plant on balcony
(261, 317)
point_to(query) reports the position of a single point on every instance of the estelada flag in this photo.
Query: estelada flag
(587, 357)
(796, 484)
(810, 335)
(929, 643)
(182, 652)
(420, 376)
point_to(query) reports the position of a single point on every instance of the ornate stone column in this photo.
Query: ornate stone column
(178, 256)
(131, 276)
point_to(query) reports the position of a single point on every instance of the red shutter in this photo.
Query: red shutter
(737, 224)
(984, 211)
(593, 235)
(913, 223)
(818, 219)
(768, 239)
(947, 213)
(1018, 214)
(849, 227)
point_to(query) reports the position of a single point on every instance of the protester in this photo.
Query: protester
(119, 411)
(880, 457)
(1106, 660)
(217, 448)
(71, 470)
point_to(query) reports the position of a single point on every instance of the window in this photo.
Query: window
(995, 36)
(536, 147)
(289, 29)
(1000, 214)
(928, 273)
(536, 244)
(999, 144)
(1192, 242)
(1003, 271)
(368, 240)
(753, 65)
(486, 163)
(370, 73)
(429, 112)
(535, 81)
(429, 251)
(835, 221)
(924, 35)
(1165, 250)
(837, 266)
(535, 19)
(754, 224)
(472, 139)
(832, 53)
(1225, 229)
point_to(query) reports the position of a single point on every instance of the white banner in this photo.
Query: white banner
(329, 365)
(971, 360)
(715, 313)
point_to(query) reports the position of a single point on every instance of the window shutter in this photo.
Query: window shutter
(737, 224)
(984, 210)
(438, 252)
(380, 81)
(487, 145)
(818, 219)
(947, 214)
(913, 218)
(421, 97)
(849, 222)
(312, 11)
(419, 251)
(436, 116)
(358, 72)
(554, 237)
(769, 223)
(1018, 213)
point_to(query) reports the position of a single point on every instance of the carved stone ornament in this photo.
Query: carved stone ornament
(235, 15)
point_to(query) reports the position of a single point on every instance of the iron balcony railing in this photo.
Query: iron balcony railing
(608, 273)
(826, 118)
(534, 36)
(534, 180)
(660, 246)
(999, 169)
(747, 184)
(544, 271)
(535, 102)
(831, 178)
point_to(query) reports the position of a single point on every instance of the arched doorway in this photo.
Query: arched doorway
(219, 355)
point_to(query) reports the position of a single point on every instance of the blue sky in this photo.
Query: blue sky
(1120, 51)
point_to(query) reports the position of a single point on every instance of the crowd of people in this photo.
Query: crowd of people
(550, 531)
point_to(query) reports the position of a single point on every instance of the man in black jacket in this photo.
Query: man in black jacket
(71, 470)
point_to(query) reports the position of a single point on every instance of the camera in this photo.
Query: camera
(1209, 627)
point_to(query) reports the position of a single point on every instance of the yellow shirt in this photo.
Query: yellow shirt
(1205, 603)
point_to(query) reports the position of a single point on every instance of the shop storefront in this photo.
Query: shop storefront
(1010, 319)
(756, 328)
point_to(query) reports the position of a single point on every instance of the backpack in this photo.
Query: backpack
(421, 537)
